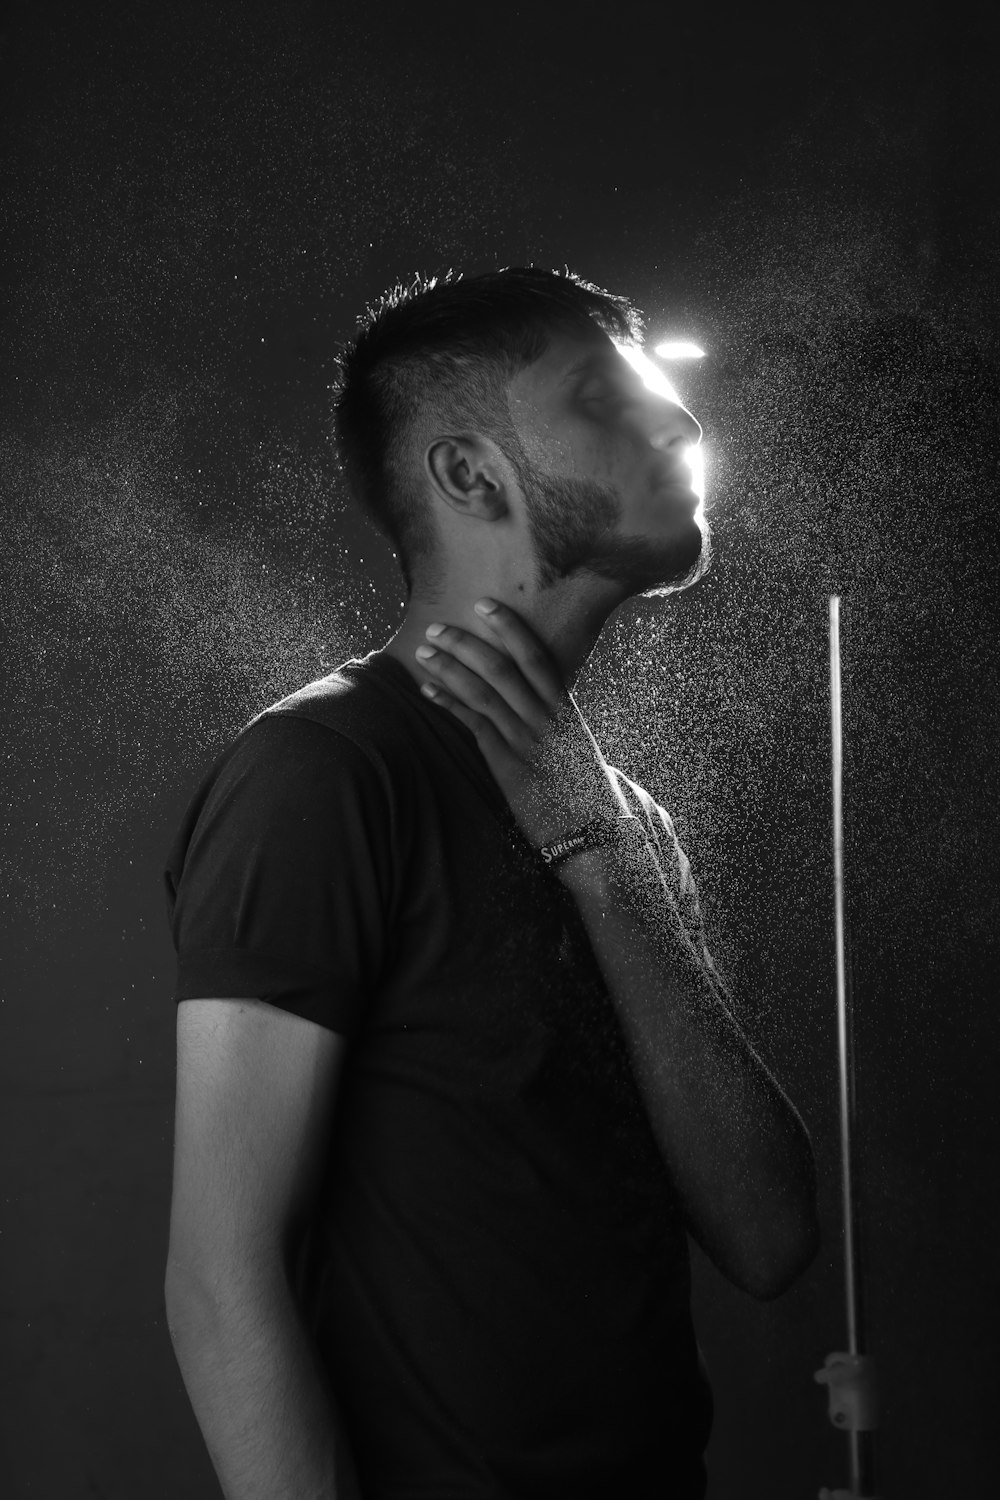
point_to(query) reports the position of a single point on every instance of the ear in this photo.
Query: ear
(467, 472)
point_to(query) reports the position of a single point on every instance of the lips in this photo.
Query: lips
(676, 482)
(677, 489)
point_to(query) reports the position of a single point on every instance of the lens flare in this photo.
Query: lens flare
(654, 379)
(678, 349)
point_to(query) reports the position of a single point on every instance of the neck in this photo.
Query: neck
(567, 618)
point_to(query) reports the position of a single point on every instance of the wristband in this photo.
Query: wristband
(599, 831)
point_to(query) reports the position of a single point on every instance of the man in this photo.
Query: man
(456, 1073)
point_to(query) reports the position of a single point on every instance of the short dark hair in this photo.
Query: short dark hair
(452, 345)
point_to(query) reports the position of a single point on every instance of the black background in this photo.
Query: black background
(197, 201)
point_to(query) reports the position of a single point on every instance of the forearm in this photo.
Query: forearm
(261, 1398)
(733, 1143)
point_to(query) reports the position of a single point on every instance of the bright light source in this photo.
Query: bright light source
(679, 349)
(654, 379)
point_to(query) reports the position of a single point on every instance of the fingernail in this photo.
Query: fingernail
(485, 607)
(434, 630)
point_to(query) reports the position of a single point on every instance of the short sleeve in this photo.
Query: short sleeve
(676, 868)
(279, 880)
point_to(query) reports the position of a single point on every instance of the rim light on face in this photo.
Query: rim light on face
(651, 375)
(654, 379)
(695, 460)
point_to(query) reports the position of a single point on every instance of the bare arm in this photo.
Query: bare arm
(735, 1146)
(266, 1413)
(732, 1141)
(255, 1094)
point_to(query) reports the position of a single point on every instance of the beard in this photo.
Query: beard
(574, 524)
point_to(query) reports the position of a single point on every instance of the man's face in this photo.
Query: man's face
(605, 485)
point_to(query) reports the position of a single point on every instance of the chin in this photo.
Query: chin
(687, 561)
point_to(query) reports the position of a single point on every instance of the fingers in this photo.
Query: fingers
(500, 756)
(460, 686)
(533, 657)
(486, 679)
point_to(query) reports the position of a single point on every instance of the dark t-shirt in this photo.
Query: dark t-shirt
(498, 1281)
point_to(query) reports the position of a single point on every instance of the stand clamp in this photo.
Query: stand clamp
(853, 1393)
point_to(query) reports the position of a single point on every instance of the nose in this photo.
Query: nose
(674, 424)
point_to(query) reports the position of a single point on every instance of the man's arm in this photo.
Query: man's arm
(255, 1092)
(737, 1150)
(261, 1399)
(734, 1144)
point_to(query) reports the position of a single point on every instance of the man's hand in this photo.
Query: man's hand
(543, 757)
(734, 1145)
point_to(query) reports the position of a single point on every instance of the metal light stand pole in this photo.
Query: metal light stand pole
(850, 1376)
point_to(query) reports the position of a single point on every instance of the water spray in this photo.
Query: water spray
(849, 1376)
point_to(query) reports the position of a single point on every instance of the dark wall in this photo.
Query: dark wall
(197, 201)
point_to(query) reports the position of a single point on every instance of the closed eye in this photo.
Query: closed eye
(610, 396)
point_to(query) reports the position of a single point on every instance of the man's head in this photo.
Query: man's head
(471, 397)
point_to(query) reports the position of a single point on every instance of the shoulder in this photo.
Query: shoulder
(344, 719)
(344, 702)
(311, 753)
(298, 795)
(291, 757)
